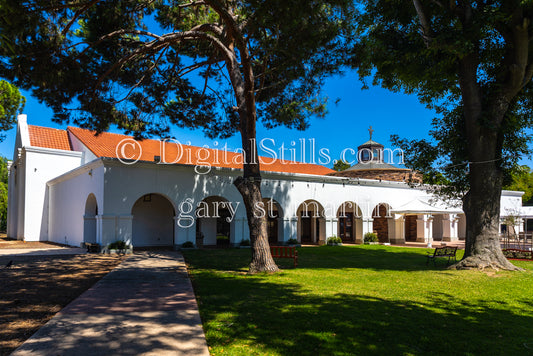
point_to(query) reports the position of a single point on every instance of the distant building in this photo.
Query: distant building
(375, 162)
(70, 186)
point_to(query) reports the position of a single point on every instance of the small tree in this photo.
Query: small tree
(3, 193)
(511, 220)
(340, 165)
(11, 104)
(522, 180)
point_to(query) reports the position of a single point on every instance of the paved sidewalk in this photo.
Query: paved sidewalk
(43, 251)
(146, 306)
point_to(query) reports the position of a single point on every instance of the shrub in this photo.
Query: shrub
(118, 245)
(187, 244)
(332, 240)
(292, 242)
(517, 254)
(370, 237)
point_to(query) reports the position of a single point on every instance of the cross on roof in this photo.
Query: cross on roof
(370, 131)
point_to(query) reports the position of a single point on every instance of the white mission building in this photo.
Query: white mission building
(71, 187)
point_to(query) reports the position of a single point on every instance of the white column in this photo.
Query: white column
(332, 227)
(321, 238)
(290, 228)
(368, 225)
(397, 229)
(184, 232)
(429, 230)
(358, 230)
(449, 227)
(299, 229)
(461, 226)
(105, 229)
(124, 228)
(235, 234)
(424, 229)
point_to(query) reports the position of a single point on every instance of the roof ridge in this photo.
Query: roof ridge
(46, 127)
(284, 161)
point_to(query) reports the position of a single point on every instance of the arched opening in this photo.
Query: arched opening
(89, 219)
(410, 227)
(216, 221)
(350, 223)
(311, 222)
(153, 221)
(274, 215)
(381, 216)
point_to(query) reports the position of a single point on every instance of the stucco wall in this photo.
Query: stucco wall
(39, 166)
(125, 184)
(122, 185)
(67, 203)
(510, 202)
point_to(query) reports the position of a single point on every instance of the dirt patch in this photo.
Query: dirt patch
(35, 288)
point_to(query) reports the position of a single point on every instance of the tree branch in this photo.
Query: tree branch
(76, 15)
(149, 70)
(425, 27)
(129, 32)
(161, 42)
(118, 33)
(229, 20)
(206, 79)
(516, 66)
(208, 27)
(192, 3)
(193, 67)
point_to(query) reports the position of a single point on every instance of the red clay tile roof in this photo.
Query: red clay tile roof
(49, 138)
(121, 146)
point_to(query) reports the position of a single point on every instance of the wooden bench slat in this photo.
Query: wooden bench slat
(285, 252)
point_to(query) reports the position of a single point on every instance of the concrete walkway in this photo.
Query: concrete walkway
(145, 306)
(43, 251)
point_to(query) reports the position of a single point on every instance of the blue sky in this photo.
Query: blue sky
(345, 126)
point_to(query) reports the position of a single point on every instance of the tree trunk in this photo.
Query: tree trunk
(249, 185)
(262, 261)
(484, 147)
(482, 209)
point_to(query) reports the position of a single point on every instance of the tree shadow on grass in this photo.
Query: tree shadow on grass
(327, 257)
(285, 319)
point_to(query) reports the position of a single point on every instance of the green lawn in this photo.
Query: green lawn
(361, 300)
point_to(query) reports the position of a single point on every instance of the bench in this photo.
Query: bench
(91, 247)
(285, 252)
(445, 251)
